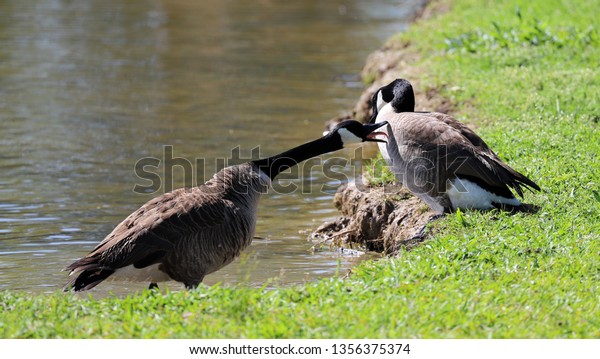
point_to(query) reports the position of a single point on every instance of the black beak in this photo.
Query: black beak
(371, 133)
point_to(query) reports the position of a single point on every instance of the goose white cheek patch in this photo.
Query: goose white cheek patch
(348, 137)
(380, 101)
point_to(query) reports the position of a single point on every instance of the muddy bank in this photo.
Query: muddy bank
(383, 219)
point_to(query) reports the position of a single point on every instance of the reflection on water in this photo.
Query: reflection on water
(88, 88)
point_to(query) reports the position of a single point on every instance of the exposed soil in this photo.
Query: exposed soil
(382, 219)
(377, 218)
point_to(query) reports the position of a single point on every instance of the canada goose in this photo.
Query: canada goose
(188, 233)
(440, 159)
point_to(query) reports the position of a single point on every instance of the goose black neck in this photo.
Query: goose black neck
(274, 165)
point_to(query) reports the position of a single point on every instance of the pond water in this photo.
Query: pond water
(90, 88)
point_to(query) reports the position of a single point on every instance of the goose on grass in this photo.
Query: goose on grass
(440, 159)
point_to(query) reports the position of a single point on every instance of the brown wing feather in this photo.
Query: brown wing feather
(150, 232)
(463, 129)
(432, 135)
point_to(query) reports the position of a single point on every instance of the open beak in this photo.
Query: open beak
(371, 127)
(371, 137)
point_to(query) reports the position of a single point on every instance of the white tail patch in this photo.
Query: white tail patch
(149, 274)
(472, 196)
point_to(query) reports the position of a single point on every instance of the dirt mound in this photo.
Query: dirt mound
(382, 219)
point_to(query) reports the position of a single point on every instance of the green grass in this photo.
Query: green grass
(377, 173)
(536, 103)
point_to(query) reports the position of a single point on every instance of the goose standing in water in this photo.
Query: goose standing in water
(188, 233)
(440, 159)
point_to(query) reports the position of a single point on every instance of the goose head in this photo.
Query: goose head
(399, 93)
(351, 132)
